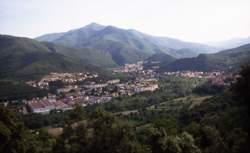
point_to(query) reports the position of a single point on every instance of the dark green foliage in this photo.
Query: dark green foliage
(54, 118)
(221, 124)
(241, 88)
(161, 142)
(12, 90)
(77, 114)
(209, 88)
(169, 123)
(104, 133)
(15, 138)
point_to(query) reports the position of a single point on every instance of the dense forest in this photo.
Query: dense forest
(139, 124)
(18, 90)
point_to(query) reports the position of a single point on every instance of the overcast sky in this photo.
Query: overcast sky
(190, 20)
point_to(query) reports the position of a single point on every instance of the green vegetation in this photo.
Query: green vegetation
(25, 58)
(87, 55)
(209, 88)
(119, 46)
(160, 58)
(170, 87)
(13, 90)
(15, 138)
(111, 45)
(227, 60)
(178, 103)
(207, 124)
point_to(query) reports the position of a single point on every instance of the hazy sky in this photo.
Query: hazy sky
(191, 20)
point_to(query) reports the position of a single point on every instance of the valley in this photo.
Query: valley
(66, 90)
(115, 76)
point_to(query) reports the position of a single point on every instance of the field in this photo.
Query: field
(178, 103)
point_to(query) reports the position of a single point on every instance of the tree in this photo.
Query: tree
(169, 123)
(13, 135)
(211, 140)
(241, 88)
(77, 114)
(162, 142)
(111, 135)
(187, 144)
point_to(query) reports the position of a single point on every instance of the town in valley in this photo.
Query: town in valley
(84, 88)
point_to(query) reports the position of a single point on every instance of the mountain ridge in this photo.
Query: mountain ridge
(26, 58)
(117, 42)
(231, 43)
(225, 60)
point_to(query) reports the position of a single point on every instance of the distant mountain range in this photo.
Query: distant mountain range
(95, 47)
(124, 46)
(27, 58)
(226, 60)
(231, 43)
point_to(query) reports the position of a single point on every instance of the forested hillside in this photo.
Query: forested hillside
(26, 58)
(226, 60)
(125, 46)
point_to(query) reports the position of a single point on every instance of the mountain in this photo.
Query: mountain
(89, 55)
(158, 59)
(106, 41)
(124, 46)
(186, 53)
(231, 43)
(27, 58)
(51, 37)
(226, 60)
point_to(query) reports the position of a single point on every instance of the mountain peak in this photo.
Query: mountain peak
(95, 26)
(111, 27)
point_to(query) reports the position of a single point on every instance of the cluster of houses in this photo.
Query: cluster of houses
(134, 67)
(90, 92)
(217, 77)
(70, 78)
(195, 74)
(46, 104)
(143, 88)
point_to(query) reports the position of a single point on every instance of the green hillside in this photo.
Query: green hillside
(110, 41)
(27, 58)
(227, 60)
(88, 55)
(158, 59)
(124, 46)
(161, 57)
